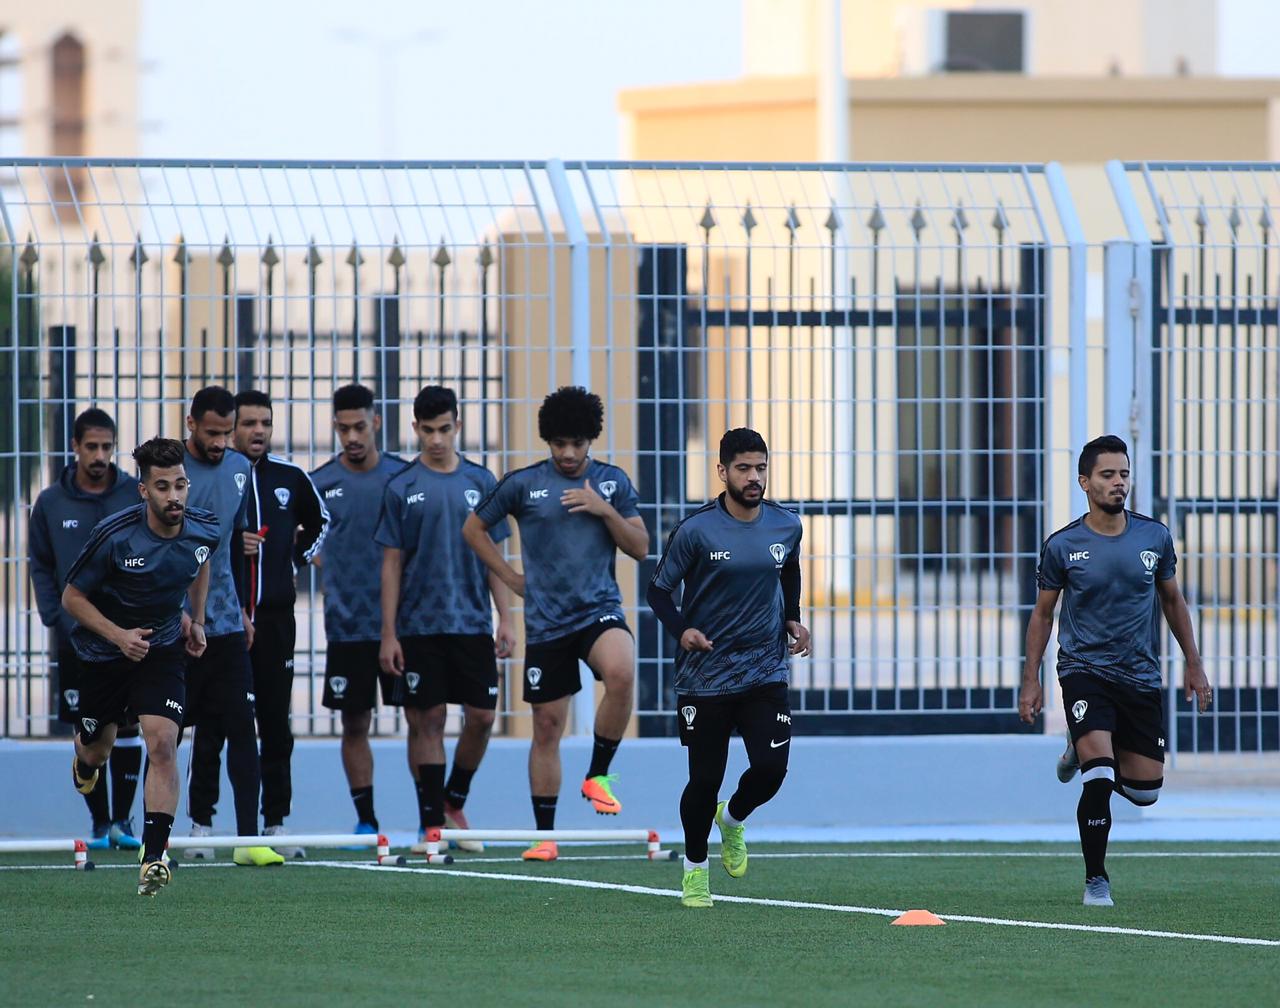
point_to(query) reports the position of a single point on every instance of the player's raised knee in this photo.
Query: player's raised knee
(1141, 792)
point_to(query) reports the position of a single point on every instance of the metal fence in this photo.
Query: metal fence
(914, 341)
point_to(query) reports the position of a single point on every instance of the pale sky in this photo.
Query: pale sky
(446, 79)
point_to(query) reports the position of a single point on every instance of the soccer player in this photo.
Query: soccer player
(287, 521)
(1110, 566)
(575, 513)
(125, 593)
(220, 699)
(437, 623)
(89, 489)
(739, 620)
(351, 485)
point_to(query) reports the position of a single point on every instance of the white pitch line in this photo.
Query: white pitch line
(793, 904)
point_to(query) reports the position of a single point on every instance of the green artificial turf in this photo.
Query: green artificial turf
(338, 936)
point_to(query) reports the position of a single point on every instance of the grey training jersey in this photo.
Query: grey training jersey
(1108, 585)
(444, 586)
(733, 594)
(351, 561)
(138, 579)
(220, 489)
(568, 558)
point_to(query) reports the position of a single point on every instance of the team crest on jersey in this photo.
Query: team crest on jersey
(608, 488)
(778, 551)
(534, 675)
(1149, 559)
(89, 724)
(688, 712)
(241, 480)
(72, 697)
(412, 679)
(339, 685)
(1078, 708)
(472, 497)
(202, 554)
(282, 495)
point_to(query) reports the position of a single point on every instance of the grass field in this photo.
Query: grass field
(491, 930)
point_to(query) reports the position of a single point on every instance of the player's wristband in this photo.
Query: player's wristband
(196, 622)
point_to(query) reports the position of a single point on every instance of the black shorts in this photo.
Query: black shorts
(754, 714)
(449, 668)
(551, 667)
(1134, 717)
(220, 682)
(352, 676)
(112, 691)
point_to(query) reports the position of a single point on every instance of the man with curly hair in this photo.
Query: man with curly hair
(574, 513)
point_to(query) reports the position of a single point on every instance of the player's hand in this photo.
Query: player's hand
(504, 641)
(391, 656)
(515, 582)
(1196, 683)
(695, 640)
(248, 630)
(133, 644)
(799, 634)
(252, 542)
(585, 498)
(196, 642)
(1030, 700)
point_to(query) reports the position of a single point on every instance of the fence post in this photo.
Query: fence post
(580, 352)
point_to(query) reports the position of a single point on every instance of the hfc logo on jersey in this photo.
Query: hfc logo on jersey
(134, 562)
(415, 498)
(1149, 559)
(241, 480)
(608, 488)
(472, 497)
(282, 495)
(333, 492)
(202, 554)
(778, 552)
(70, 523)
(537, 494)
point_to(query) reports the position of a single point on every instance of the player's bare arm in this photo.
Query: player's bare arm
(193, 625)
(504, 638)
(390, 654)
(476, 533)
(1194, 681)
(1039, 627)
(132, 643)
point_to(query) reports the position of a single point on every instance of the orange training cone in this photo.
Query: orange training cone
(919, 918)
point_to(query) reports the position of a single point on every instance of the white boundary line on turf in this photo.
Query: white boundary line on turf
(790, 904)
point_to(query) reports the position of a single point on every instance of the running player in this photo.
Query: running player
(1110, 566)
(89, 489)
(220, 701)
(351, 485)
(575, 513)
(739, 560)
(437, 623)
(286, 521)
(125, 594)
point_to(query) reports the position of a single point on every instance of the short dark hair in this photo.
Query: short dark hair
(252, 397)
(1107, 444)
(215, 398)
(570, 412)
(739, 441)
(158, 453)
(352, 397)
(95, 418)
(434, 400)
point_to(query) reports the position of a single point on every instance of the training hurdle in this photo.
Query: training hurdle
(435, 838)
(80, 850)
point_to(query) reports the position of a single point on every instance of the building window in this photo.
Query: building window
(983, 42)
(67, 137)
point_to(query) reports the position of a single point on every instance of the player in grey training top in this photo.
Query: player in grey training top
(1110, 566)
(437, 622)
(739, 561)
(220, 682)
(87, 490)
(350, 562)
(574, 515)
(125, 593)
